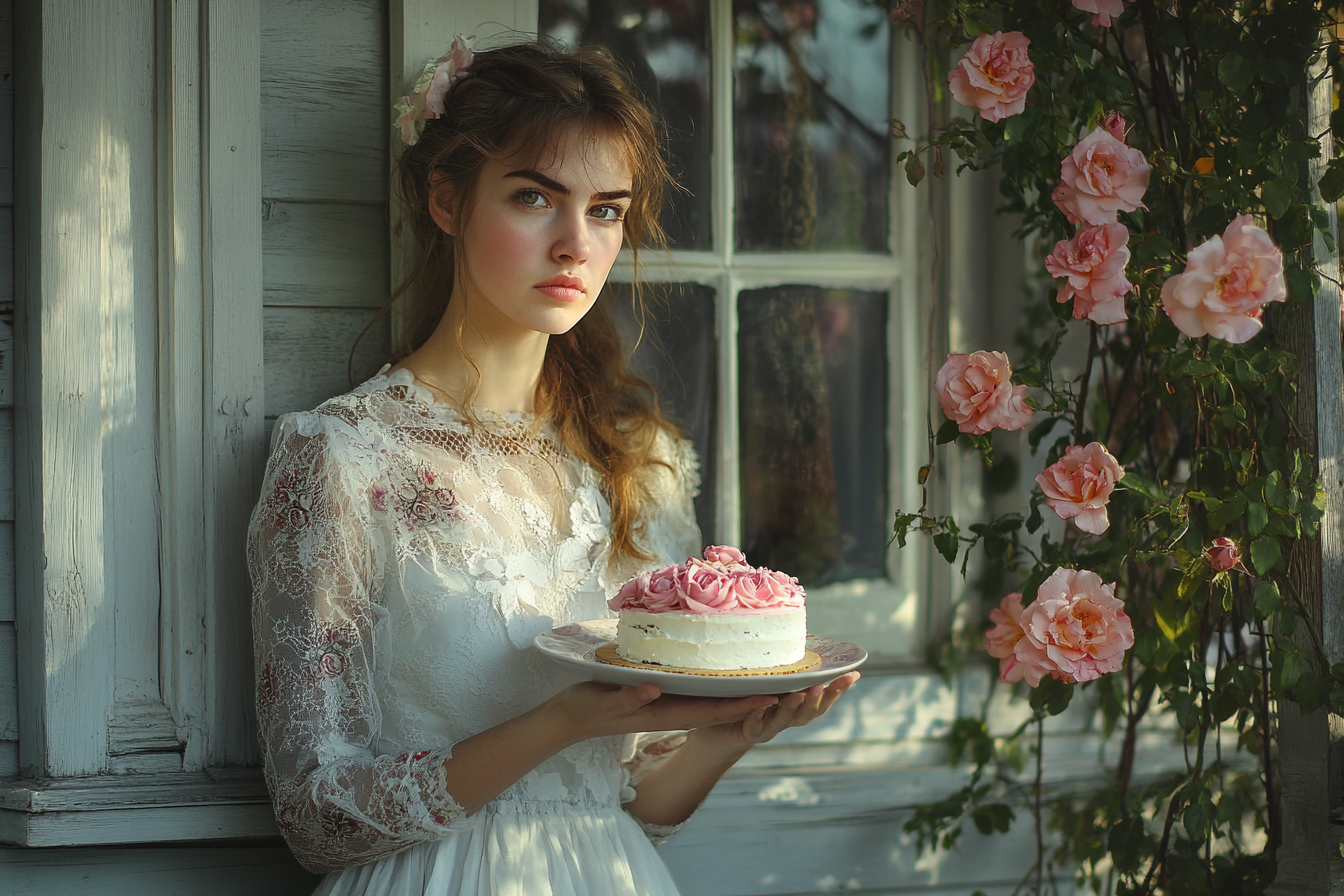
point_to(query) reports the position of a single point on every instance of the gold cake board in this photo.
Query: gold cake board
(607, 654)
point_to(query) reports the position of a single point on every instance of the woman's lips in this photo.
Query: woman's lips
(563, 289)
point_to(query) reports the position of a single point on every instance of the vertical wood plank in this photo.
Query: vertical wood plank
(6, 576)
(1308, 762)
(64, 665)
(6, 102)
(234, 408)
(182, 419)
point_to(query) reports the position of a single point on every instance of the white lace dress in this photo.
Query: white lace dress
(402, 562)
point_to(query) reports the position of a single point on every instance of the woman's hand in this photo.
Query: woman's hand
(593, 709)
(799, 708)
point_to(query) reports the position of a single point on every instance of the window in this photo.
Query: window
(782, 334)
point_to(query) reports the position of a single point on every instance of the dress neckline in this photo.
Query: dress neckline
(418, 393)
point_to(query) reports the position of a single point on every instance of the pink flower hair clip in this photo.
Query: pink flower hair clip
(426, 98)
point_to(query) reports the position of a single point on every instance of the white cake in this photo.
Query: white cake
(741, 639)
(713, 614)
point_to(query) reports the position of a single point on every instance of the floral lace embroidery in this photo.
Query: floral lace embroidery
(402, 560)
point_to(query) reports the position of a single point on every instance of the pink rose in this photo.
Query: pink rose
(1094, 264)
(994, 75)
(1076, 630)
(663, 592)
(756, 590)
(1226, 283)
(1079, 485)
(631, 594)
(1113, 123)
(426, 99)
(1223, 554)
(975, 391)
(724, 555)
(1101, 177)
(705, 589)
(1101, 10)
(1001, 640)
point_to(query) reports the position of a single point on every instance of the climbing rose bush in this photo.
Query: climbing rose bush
(1093, 267)
(1076, 629)
(976, 391)
(1100, 178)
(1078, 485)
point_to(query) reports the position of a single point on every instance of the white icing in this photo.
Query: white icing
(743, 639)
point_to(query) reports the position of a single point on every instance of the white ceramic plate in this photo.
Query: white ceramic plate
(572, 646)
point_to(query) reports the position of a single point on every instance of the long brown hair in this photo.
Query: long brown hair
(512, 103)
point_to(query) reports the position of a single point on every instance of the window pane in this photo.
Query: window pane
(813, 417)
(665, 45)
(678, 357)
(811, 121)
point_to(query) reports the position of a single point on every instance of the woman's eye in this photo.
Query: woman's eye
(532, 198)
(610, 213)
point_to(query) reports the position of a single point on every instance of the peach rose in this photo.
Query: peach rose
(1100, 178)
(1001, 641)
(1101, 10)
(975, 391)
(994, 75)
(1093, 263)
(1226, 283)
(1223, 554)
(1076, 630)
(1079, 485)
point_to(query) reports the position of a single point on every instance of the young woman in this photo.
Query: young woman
(506, 476)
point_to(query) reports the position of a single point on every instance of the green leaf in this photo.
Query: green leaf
(1196, 819)
(1136, 483)
(1234, 72)
(1257, 516)
(1276, 494)
(1266, 599)
(1277, 196)
(1125, 843)
(948, 432)
(1331, 184)
(946, 543)
(914, 170)
(1264, 554)
(1229, 510)
(993, 817)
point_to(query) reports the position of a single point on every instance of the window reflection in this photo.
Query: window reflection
(665, 46)
(811, 124)
(813, 380)
(676, 354)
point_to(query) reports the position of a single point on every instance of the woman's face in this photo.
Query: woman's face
(543, 234)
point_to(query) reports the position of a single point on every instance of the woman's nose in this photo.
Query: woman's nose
(572, 242)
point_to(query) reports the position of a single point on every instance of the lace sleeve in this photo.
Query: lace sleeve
(314, 565)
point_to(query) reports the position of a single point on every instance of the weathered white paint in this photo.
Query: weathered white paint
(226, 871)
(325, 254)
(66, 661)
(231, 234)
(324, 109)
(307, 350)
(183, 421)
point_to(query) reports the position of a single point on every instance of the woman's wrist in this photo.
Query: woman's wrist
(714, 746)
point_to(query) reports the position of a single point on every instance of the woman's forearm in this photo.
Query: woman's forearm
(484, 765)
(670, 792)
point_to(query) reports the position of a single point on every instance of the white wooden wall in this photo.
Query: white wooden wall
(324, 185)
(9, 716)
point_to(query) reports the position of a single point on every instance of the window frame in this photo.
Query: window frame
(897, 272)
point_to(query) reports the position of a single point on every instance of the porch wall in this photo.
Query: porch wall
(9, 727)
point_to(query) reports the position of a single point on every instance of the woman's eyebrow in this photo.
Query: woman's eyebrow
(542, 180)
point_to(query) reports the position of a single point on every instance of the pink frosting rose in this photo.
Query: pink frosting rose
(1001, 641)
(994, 75)
(758, 590)
(1076, 630)
(1102, 10)
(705, 589)
(1078, 485)
(725, 555)
(975, 391)
(1223, 554)
(1226, 284)
(1100, 178)
(1093, 263)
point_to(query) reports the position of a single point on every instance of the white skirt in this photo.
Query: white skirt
(516, 850)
